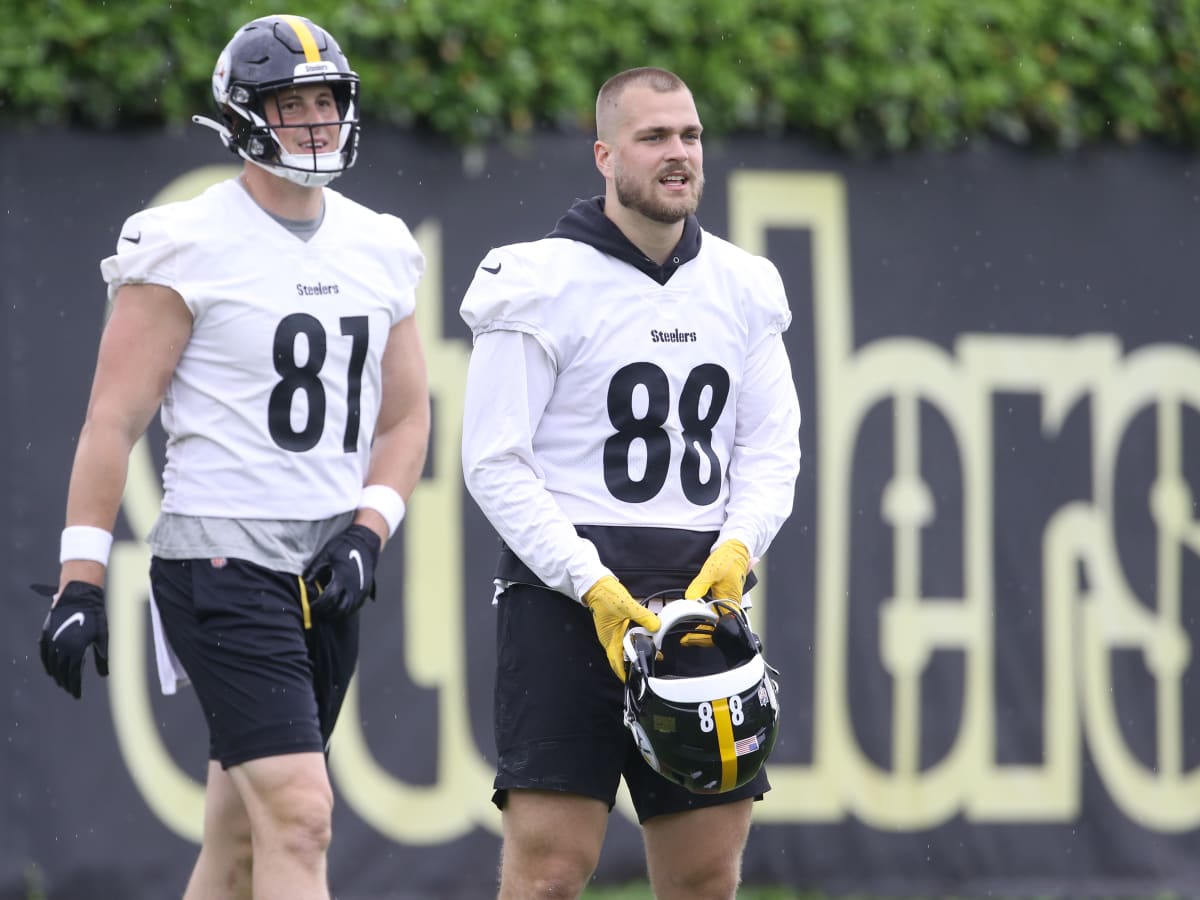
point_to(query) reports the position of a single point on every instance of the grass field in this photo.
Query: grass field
(642, 892)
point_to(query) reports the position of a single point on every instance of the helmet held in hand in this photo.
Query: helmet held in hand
(704, 717)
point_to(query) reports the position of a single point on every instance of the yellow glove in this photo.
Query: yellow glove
(613, 609)
(721, 577)
(723, 573)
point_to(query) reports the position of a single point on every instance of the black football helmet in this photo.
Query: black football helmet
(268, 54)
(704, 713)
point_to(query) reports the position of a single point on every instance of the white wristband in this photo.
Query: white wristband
(386, 501)
(85, 542)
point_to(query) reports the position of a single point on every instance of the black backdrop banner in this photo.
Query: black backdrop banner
(983, 607)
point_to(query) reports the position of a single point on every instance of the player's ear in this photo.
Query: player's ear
(603, 153)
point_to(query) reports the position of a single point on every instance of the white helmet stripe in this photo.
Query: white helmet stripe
(699, 688)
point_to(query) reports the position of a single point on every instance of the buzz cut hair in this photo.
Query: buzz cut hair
(609, 96)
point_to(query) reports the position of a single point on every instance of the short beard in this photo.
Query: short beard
(633, 197)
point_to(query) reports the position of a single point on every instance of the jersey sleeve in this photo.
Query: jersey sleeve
(765, 460)
(504, 296)
(406, 264)
(146, 254)
(766, 455)
(509, 382)
(773, 313)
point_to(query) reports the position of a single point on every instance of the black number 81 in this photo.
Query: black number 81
(306, 378)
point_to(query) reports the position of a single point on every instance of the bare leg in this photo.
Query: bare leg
(290, 806)
(697, 855)
(223, 869)
(552, 843)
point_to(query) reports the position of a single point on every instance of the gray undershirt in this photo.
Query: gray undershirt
(301, 228)
(280, 545)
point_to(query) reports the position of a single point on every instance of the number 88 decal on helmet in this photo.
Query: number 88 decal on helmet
(704, 717)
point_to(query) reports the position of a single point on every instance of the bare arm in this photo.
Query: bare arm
(140, 347)
(402, 430)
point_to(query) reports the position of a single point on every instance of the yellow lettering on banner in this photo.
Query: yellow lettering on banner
(815, 203)
(1159, 793)
(174, 796)
(461, 798)
(1085, 623)
(435, 645)
(906, 372)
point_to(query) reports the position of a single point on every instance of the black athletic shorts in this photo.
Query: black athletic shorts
(268, 684)
(558, 713)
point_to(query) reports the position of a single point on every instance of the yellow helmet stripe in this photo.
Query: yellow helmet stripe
(307, 41)
(729, 763)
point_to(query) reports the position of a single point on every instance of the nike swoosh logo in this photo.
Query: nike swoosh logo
(76, 619)
(495, 271)
(357, 557)
(132, 240)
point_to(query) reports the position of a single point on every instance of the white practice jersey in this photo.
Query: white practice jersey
(272, 408)
(598, 396)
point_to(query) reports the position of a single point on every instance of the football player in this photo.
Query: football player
(271, 320)
(631, 426)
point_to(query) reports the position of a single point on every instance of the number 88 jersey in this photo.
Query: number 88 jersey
(659, 390)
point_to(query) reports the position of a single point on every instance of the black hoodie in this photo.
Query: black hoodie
(646, 560)
(585, 222)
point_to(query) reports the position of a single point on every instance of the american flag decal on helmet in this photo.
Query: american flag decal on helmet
(746, 745)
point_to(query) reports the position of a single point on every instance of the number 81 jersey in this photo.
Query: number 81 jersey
(654, 383)
(271, 409)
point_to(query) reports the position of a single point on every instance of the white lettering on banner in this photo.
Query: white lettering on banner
(1082, 627)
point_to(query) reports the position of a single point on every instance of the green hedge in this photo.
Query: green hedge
(865, 75)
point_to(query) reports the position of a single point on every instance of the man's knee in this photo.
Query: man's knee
(699, 880)
(302, 817)
(551, 844)
(291, 806)
(697, 855)
(559, 871)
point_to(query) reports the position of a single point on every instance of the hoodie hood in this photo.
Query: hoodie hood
(585, 222)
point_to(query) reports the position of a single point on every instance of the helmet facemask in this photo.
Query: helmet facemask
(259, 141)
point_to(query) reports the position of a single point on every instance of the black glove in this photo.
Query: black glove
(76, 622)
(343, 572)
